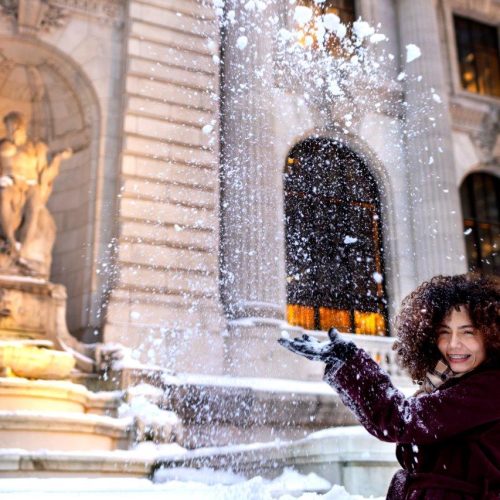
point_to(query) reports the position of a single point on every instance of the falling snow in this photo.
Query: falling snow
(412, 52)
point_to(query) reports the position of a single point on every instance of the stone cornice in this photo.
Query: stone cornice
(33, 16)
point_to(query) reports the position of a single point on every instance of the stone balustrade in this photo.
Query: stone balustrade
(380, 349)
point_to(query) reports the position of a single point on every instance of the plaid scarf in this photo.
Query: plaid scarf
(437, 377)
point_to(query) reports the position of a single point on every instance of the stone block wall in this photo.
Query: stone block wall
(165, 300)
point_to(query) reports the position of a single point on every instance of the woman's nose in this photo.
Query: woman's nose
(455, 340)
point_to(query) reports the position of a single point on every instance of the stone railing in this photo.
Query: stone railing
(380, 349)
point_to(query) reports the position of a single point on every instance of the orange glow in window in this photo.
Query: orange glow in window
(336, 318)
(369, 323)
(298, 315)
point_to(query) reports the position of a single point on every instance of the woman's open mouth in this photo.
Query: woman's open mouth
(458, 358)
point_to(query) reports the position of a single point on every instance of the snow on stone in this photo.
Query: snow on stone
(148, 413)
(331, 22)
(242, 42)
(412, 52)
(362, 30)
(377, 38)
(204, 475)
(207, 129)
(302, 15)
(349, 240)
(285, 34)
(436, 98)
(291, 480)
(192, 488)
(377, 277)
(146, 390)
(334, 88)
(255, 4)
(257, 384)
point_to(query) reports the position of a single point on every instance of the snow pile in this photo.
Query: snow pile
(196, 485)
(151, 422)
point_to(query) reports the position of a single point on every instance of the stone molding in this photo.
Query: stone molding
(33, 16)
(21, 463)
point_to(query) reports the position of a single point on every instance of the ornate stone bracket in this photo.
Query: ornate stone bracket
(33, 15)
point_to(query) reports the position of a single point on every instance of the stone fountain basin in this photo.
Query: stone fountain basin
(47, 430)
(42, 395)
(26, 360)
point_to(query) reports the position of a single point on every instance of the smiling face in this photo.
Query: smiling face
(460, 344)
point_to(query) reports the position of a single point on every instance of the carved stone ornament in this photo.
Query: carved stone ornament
(33, 16)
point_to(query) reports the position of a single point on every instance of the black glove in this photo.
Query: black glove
(333, 351)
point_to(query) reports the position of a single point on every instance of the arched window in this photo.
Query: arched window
(480, 194)
(333, 240)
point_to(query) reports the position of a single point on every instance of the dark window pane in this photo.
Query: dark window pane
(333, 245)
(480, 194)
(478, 56)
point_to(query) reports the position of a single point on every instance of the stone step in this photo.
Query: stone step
(59, 431)
(21, 463)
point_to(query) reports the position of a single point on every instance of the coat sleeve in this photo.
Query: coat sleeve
(387, 414)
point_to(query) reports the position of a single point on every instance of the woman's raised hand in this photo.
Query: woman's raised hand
(311, 348)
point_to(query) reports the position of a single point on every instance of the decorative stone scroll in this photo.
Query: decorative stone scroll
(33, 15)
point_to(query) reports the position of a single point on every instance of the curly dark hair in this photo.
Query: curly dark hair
(425, 308)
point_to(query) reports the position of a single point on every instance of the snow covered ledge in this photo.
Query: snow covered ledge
(218, 410)
(348, 456)
(252, 351)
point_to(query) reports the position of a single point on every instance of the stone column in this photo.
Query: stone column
(253, 280)
(435, 203)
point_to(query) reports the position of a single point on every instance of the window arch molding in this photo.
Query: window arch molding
(479, 169)
(376, 170)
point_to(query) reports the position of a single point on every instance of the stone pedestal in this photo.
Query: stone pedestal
(35, 309)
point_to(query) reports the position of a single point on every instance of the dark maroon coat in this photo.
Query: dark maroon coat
(448, 441)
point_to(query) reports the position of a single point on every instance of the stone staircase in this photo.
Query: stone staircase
(59, 415)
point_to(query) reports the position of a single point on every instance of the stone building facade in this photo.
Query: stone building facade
(171, 224)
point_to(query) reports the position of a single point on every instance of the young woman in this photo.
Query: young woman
(448, 434)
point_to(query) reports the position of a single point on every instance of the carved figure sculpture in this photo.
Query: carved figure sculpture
(26, 179)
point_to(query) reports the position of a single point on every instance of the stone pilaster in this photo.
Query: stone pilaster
(438, 233)
(165, 300)
(253, 281)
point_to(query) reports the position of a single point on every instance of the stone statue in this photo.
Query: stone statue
(26, 179)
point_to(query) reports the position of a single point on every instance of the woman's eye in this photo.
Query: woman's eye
(443, 332)
(469, 332)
